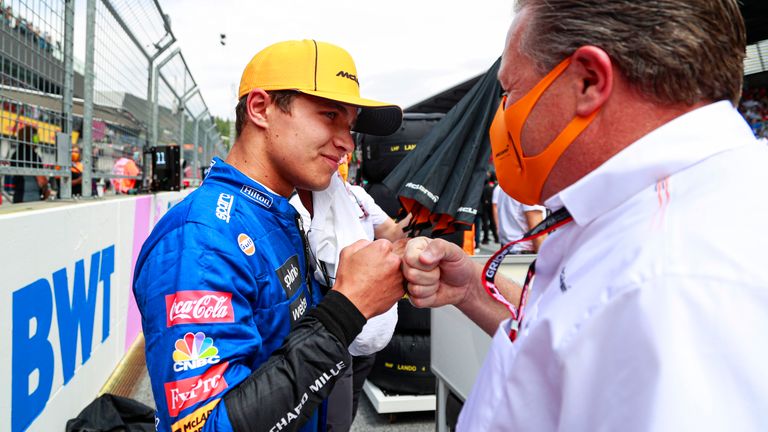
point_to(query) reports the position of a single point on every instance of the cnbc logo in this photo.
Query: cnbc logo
(194, 351)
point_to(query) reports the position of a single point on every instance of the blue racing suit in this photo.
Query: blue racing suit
(237, 336)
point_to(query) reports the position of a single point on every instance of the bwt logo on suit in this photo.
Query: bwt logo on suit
(33, 310)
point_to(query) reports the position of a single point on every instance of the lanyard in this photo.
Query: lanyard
(552, 222)
(307, 251)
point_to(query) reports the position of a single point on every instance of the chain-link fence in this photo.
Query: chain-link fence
(128, 83)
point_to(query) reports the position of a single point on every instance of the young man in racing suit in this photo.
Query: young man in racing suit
(238, 337)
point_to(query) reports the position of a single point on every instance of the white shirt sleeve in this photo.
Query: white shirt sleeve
(495, 196)
(376, 333)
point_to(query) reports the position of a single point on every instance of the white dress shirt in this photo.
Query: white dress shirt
(650, 310)
(344, 214)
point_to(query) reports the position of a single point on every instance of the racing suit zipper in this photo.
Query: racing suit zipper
(305, 244)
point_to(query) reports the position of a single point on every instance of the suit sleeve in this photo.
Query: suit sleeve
(285, 391)
(201, 338)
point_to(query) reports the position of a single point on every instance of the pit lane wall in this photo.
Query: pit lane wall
(67, 312)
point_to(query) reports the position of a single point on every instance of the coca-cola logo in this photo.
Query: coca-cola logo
(192, 307)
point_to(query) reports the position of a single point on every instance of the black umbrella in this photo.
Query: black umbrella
(441, 180)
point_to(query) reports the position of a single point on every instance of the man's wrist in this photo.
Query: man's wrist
(340, 316)
(474, 289)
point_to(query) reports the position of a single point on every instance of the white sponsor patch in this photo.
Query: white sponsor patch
(256, 195)
(224, 206)
(246, 244)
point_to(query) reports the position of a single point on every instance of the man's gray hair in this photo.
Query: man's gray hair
(671, 51)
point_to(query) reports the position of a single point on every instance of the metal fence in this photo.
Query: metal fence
(128, 88)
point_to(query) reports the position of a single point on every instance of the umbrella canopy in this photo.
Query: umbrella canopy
(441, 180)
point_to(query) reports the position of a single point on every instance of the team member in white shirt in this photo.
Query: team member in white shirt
(649, 309)
(514, 218)
(342, 214)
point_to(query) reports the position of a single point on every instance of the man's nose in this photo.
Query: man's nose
(345, 141)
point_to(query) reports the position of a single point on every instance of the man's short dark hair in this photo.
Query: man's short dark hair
(281, 98)
(672, 51)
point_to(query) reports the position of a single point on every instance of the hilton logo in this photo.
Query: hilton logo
(256, 195)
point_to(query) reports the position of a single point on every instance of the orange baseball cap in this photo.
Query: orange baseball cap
(323, 70)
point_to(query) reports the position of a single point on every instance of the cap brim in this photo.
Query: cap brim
(375, 118)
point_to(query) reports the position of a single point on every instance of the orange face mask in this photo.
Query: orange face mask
(519, 176)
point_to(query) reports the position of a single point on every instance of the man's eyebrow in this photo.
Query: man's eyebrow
(343, 108)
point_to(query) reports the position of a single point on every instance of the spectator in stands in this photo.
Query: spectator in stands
(125, 166)
(8, 17)
(28, 188)
(77, 172)
(484, 222)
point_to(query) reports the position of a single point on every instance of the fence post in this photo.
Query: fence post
(209, 141)
(182, 108)
(65, 185)
(155, 92)
(87, 152)
(151, 78)
(197, 145)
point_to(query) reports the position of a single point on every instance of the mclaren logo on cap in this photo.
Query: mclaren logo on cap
(348, 76)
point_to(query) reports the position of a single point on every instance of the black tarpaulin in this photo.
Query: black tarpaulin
(441, 180)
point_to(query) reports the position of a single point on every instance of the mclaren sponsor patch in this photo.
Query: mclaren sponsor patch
(184, 393)
(298, 308)
(291, 416)
(194, 351)
(224, 206)
(290, 275)
(257, 195)
(195, 307)
(246, 244)
(195, 421)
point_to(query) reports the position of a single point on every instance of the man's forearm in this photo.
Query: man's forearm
(292, 383)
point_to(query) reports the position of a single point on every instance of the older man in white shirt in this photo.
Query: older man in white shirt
(650, 302)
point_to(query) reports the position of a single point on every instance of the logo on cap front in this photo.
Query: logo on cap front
(348, 76)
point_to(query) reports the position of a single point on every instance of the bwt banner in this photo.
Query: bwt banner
(67, 311)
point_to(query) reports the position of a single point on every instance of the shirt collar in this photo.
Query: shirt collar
(676, 145)
(255, 192)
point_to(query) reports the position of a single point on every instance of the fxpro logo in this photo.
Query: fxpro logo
(194, 351)
(189, 391)
(73, 292)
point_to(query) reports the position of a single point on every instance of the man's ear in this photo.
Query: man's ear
(256, 106)
(595, 69)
